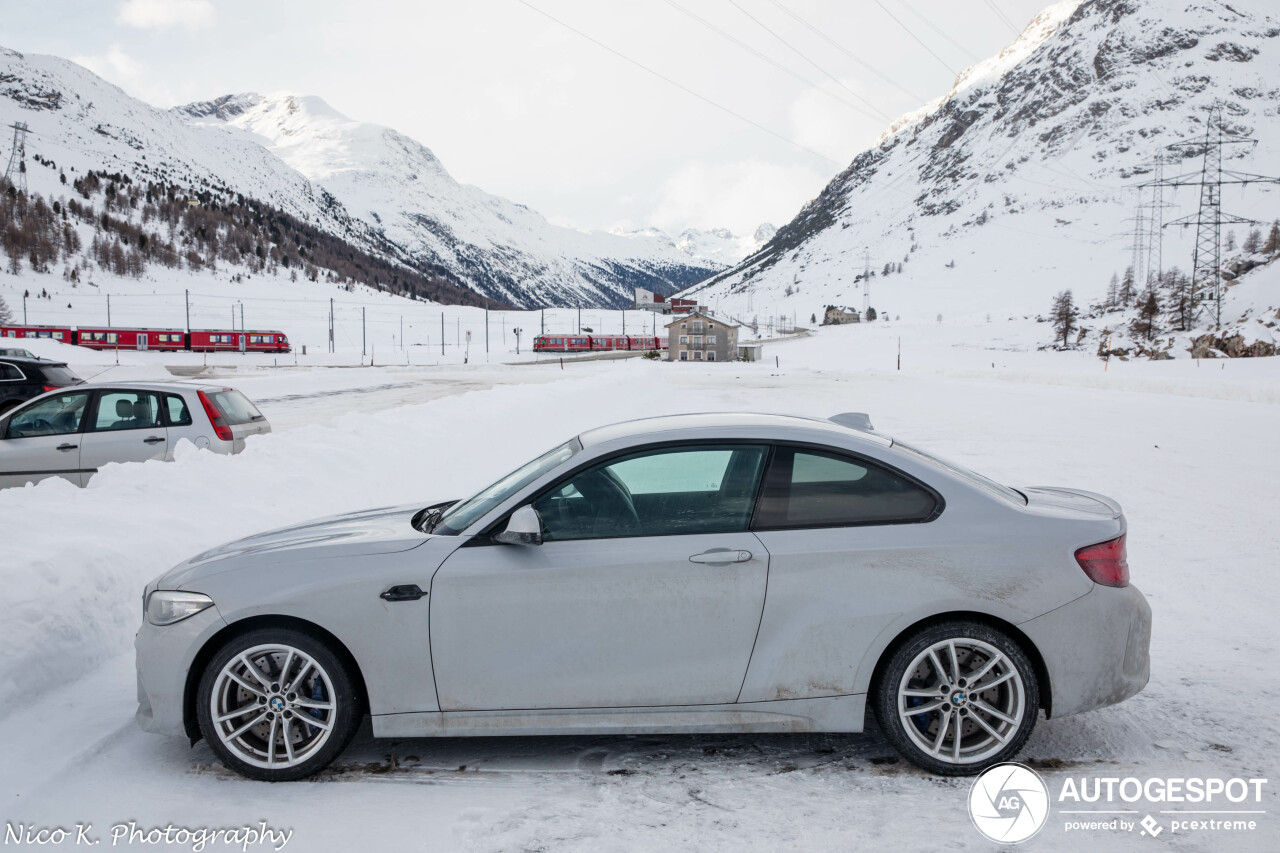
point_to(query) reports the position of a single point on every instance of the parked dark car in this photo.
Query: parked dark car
(24, 378)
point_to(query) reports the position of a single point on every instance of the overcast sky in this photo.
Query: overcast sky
(523, 106)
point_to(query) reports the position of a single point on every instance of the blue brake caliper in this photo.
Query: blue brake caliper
(920, 721)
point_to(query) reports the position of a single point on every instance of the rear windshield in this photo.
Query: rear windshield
(985, 483)
(235, 407)
(60, 376)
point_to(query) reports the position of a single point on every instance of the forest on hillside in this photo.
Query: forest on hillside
(111, 223)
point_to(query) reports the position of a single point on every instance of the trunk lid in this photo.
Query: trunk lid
(1073, 501)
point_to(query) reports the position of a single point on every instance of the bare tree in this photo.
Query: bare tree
(6, 316)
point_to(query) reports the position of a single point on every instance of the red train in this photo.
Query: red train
(116, 337)
(596, 343)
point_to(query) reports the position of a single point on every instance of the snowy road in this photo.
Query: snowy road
(1190, 453)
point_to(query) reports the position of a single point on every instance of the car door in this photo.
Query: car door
(851, 548)
(42, 439)
(126, 426)
(647, 590)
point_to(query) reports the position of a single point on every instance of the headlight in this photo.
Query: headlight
(165, 608)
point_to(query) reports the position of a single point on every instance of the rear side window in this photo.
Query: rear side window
(127, 410)
(235, 407)
(176, 409)
(9, 373)
(813, 489)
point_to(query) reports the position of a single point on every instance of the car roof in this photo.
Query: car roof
(726, 422)
(151, 385)
(34, 362)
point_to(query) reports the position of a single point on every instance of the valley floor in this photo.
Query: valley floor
(1189, 449)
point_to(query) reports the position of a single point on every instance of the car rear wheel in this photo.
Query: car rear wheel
(277, 704)
(957, 697)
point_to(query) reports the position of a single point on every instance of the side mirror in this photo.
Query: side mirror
(524, 527)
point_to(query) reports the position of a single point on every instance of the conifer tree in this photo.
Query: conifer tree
(1064, 315)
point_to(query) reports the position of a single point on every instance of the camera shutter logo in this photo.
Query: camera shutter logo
(1009, 803)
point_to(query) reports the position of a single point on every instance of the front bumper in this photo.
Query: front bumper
(1097, 649)
(164, 655)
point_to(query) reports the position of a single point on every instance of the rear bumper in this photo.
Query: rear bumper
(163, 658)
(1096, 649)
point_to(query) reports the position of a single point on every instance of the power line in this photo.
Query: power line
(763, 57)
(931, 25)
(911, 33)
(849, 53)
(680, 86)
(1004, 19)
(803, 56)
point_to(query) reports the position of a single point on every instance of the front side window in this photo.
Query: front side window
(60, 415)
(815, 489)
(664, 492)
(127, 410)
(463, 514)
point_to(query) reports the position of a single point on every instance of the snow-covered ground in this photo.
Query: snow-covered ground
(1188, 448)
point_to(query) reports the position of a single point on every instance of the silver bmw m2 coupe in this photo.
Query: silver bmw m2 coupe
(696, 573)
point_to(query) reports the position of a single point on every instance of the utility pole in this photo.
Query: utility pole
(442, 333)
(579, 319)
(186, 297)
(363, 336)
(1206, 264)
(24, 310)
(242, 316)
(16, 171)
(330, 324)
(486, 325)
(544, 322)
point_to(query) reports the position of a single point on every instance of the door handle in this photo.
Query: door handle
(65, 447)
(404, 592)
(721, 556)
(155, 439)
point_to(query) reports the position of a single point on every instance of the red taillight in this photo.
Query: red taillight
(1105, 563)
(220, 428)
(49, 388)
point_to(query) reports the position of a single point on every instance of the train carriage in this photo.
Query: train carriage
(146, 340)
(597, 343)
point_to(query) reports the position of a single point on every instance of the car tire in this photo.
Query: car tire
(927, 691)
(277, 704)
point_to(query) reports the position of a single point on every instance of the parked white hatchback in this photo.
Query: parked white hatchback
(71, 432)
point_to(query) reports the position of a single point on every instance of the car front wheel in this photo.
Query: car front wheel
(277, 704)
(957, 697)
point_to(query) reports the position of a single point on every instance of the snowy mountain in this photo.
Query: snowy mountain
(397, 186)
(1021, 181)
(80, 122)
(715, 247)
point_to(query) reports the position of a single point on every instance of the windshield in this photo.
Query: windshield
(987, 485)
(462, 515)
(60, 376)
